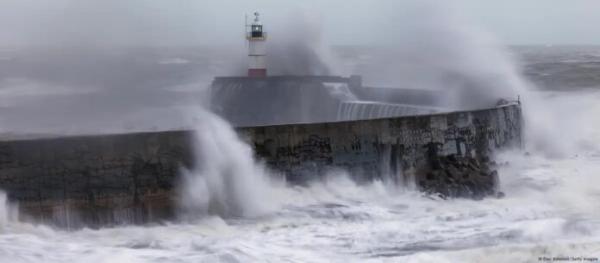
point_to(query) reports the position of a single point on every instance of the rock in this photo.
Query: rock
(458, 177)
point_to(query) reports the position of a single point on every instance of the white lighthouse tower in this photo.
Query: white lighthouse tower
(257, 49)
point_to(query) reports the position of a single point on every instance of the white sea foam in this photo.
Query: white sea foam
(227, 180)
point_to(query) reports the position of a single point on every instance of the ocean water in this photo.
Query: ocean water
(551, 208)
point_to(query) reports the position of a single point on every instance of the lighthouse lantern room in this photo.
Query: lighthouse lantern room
(257, 50)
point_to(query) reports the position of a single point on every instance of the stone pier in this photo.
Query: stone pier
(132, 178)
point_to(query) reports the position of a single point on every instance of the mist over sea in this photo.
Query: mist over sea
(76, 90)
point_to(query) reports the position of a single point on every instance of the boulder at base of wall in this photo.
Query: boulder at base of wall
(458, 177)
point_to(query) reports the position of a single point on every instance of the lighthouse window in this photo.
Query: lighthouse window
(257, 31)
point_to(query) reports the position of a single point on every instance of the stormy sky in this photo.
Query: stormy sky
(350, 22)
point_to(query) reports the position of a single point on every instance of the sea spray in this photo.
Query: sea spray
(8, 212)
(3, 211)
(439, 48)
(226, 181)
(298, 47)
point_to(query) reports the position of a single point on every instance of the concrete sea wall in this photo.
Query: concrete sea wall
(132, 178)
(447, 154)
(94, 180)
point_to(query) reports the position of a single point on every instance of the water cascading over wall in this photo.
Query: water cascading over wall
(364, 110)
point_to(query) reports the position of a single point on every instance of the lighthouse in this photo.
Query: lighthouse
(257, 49)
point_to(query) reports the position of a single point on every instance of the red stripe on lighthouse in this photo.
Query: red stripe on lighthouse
(257, 73)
